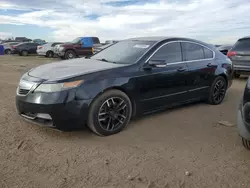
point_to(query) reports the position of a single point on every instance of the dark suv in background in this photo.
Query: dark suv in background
(240, 56)
(23, 49)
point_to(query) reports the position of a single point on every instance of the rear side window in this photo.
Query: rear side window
(192, 51)
(242, 44)
(171, 53)
(207, 53)
(95, 40)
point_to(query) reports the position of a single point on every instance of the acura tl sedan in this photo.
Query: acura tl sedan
(133, 77)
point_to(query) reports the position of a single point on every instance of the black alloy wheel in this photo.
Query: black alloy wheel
(246, 143)
(218, 91)
(110, 113)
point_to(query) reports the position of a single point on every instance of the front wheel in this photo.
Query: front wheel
(217, 91)
(109, 113)
(70, 54)
(246, 143)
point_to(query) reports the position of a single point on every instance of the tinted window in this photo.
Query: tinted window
(55, 44)
(170, 52)
(33, 44)
(208, 53)
(243, 44)
(96, 40)
(192, 51)
(124, 52)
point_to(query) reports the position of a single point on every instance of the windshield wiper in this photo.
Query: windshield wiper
(105, 60)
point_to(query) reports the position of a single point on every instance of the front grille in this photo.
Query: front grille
(23, 91)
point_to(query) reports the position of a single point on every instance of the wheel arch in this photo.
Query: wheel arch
(224, 76)
(70, 49)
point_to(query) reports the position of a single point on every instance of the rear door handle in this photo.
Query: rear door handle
(209, 65)
(181, 69)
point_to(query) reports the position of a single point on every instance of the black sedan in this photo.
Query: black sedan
(243, 122)
(133, 77)
(24, 49)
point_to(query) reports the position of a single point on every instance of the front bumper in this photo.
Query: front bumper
(242, 125)
(60, 109)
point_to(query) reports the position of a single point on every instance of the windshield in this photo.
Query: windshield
(75, 41)
(124, 52)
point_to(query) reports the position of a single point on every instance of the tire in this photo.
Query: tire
(7, 51)
(70, 54)
(246, 143)
(100, 103)
(50, 54)
(211, 98)
(236, 75)
(24, 53)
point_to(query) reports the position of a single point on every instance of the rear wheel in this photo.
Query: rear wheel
(7, 52)
(70, 54)
(50, 54)
(217, 91)
(246, 143)
(109, 113)
(24, 53)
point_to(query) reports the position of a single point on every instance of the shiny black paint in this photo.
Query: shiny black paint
(149, 88)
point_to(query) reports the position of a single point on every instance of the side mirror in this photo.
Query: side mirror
(157, 63)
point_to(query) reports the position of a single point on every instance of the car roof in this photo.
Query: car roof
(162, 38)
(246, 37)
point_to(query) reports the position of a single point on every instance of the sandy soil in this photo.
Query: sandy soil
(182, 147)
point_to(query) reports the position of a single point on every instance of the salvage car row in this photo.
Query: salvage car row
(81, 46)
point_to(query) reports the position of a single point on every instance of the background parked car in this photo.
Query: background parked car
(240, 56)
(81, 46)
(7, 47)
(47, 49)
(224, 48)
(100, 48)
(25, 48)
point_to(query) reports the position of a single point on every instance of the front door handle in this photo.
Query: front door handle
(181, 69)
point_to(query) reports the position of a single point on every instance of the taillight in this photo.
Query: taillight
(231, 53)
(39, 47)
(13, 47)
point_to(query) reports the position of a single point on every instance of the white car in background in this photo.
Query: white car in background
(47, 49)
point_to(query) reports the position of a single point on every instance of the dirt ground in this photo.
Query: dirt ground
(182, 147)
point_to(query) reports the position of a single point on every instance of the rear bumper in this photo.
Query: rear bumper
(41, 53)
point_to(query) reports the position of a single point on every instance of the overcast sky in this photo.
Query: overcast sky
(215, 21)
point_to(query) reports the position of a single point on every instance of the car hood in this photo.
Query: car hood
(70, 68)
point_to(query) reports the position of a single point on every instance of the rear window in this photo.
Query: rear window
(242, 44)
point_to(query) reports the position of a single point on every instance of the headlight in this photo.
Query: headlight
(57, 87)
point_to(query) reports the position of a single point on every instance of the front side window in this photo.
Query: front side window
(124, 52)
(192, 51)
(170, 53)
(76, 41)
